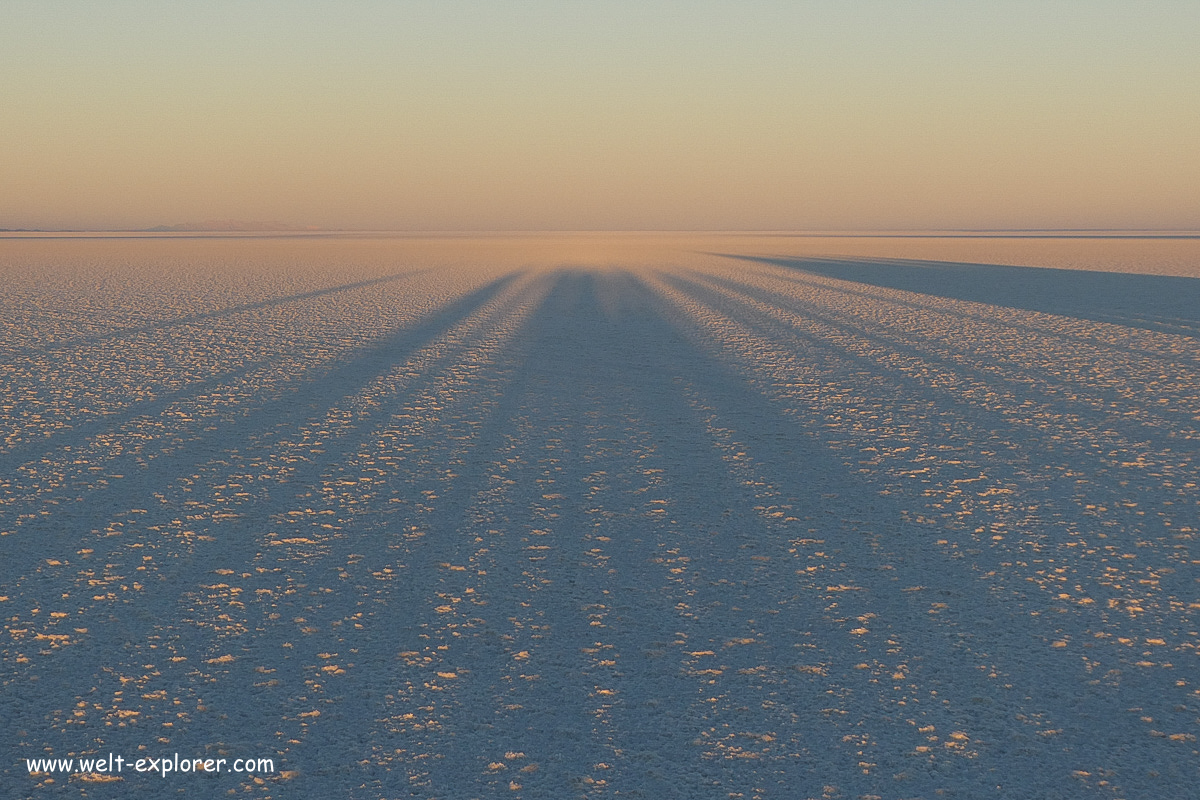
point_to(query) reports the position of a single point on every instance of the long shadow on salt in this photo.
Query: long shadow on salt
(997, 635)
(597, 553)
(1169, 304)
(272, 416)
(216, 314)
(1157, 426)
(672, 645)
(117, 636)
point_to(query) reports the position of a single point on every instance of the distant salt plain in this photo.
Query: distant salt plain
(603, 515)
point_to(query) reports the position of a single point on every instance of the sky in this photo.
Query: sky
(542, 115)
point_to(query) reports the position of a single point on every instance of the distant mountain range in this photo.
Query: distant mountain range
(212, 226)
(228, 225)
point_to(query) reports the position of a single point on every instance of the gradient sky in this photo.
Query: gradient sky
(614, 115)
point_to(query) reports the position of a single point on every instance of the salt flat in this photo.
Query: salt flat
(602, 515)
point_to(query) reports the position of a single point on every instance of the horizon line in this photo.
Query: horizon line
(158, 232)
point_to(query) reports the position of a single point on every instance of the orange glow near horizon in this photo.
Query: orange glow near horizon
(542, 117)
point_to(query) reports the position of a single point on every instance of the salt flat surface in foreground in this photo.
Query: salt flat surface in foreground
(585, 516)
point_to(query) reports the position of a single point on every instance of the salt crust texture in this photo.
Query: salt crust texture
(592, 516)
